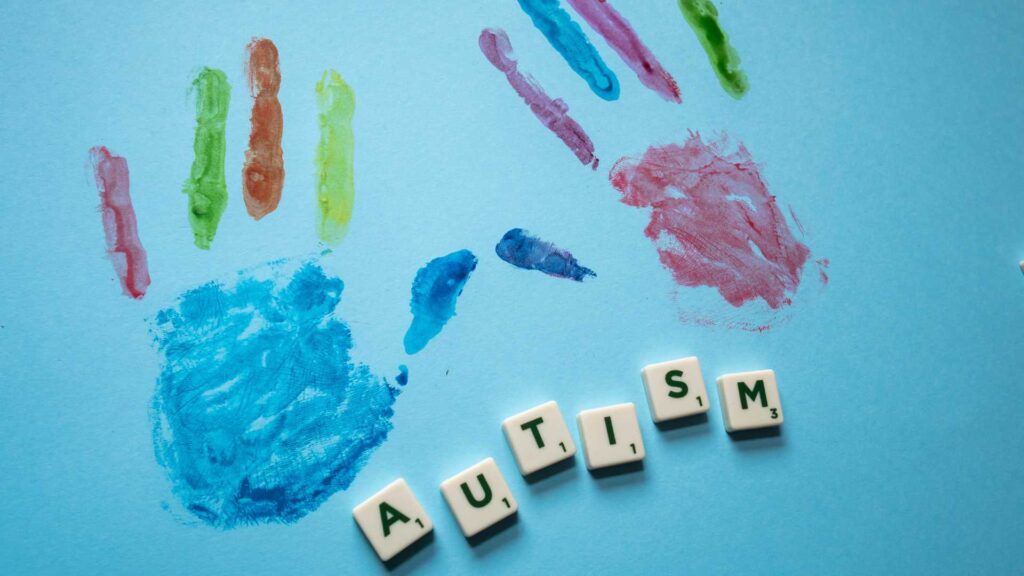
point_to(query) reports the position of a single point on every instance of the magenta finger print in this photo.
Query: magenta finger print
(552, 112)
(606, 20)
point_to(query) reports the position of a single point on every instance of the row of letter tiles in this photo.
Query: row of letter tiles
(676, 389)
(539, 437)
(393, 518)
(479, 497)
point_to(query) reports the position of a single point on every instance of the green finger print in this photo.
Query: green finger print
(702, 16)
(335, 188)
(206, 188)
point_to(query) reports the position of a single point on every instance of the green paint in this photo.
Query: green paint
(388, 516)
(672, 382)
(532, 427)
(485, 500)
(335, 187)
(752, 394)
(207, 191)
(703, 18)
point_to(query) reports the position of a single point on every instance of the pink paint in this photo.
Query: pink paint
(607, 21)
(713, 221)
(553, 113)
(119, 225)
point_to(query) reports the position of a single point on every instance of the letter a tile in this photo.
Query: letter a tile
(392, 519)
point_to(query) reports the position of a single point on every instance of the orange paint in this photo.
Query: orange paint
(263, 173)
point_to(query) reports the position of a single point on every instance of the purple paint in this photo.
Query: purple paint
(552, 112)
(616, 30)
(523, 250)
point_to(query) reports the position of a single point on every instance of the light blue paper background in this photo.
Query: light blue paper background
(894, 129)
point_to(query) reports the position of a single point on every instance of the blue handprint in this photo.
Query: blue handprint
(260, 414)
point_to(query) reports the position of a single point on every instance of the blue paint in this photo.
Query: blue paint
(403, 375)
(259, 413)
(520, 249)
(568, 39)
(434, 291)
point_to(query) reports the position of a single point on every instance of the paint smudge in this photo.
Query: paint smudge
(568, 39)
(206, 188)
(434, 291)
(263, 173)
(119, 225)
(403, 375)
(615, 29)
(522, 250)
(335, 183)
(702, 16)
(713, 221)
(823, 264)
(553, 113)
(260, 413)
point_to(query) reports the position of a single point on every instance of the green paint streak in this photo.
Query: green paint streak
(207, 191)
(335, 188)
(703, 18)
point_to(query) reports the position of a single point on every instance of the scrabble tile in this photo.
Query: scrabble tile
(538, 437)
(675, 389)
(479, 497)
(392, 519)
(610, 435)
(749, 400)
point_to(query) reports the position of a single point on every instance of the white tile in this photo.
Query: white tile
(392, 519)
(610, 435)
(750, 400)
(538, 437)
(675, 389)
(479, 497)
